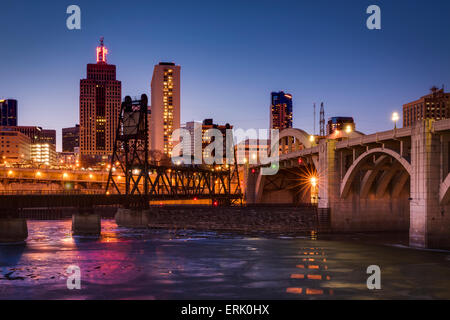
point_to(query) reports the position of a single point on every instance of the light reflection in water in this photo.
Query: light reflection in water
(312, 281)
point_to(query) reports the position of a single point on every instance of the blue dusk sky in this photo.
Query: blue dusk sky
(232, 54)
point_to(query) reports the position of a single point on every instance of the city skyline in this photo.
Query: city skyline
(378, 73)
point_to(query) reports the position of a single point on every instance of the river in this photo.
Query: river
(162, 264)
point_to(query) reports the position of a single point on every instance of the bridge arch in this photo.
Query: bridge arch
(444, 190)
(354, 168)
(300, 138)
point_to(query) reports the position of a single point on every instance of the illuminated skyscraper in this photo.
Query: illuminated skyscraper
(8, 112)
(165, 112)
(281, 110)
(100, 99)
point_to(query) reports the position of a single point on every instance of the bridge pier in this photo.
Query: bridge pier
(13, 229)
(86, 222)
(429, 219)
(132, 218)
(328, 182)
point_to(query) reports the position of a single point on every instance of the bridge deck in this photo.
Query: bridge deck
(21, 201)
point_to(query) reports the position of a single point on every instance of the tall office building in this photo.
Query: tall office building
(8, 112)
(435, 105)
(100, 99)
(70, 138)
(281, 110)
(48, 136)
(199, 139)
(165, 102)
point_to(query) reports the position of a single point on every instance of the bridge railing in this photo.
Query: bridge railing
(50, 192)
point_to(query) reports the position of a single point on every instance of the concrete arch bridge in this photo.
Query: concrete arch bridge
(397, 180)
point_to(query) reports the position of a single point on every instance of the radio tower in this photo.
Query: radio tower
(322, 120)
(314, 133)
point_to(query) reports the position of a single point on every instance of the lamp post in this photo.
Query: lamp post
(395, 118)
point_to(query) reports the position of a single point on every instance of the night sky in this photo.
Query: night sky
(232, 54)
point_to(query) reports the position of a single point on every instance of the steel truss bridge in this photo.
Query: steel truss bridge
(135, 179)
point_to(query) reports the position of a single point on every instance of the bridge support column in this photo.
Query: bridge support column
(13, 229)
(132, 218)
(250, 180)
(328, 182)
(86, 222)
(429, 223)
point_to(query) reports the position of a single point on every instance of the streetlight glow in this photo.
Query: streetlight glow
(395, 117)
(313, 181)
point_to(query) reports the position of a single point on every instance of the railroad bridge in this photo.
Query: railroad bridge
(397, 180)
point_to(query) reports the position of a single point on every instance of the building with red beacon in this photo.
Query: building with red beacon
(100, 99)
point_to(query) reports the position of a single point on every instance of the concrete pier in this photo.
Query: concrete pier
(132, 218)
(13, 230)
(86, 222)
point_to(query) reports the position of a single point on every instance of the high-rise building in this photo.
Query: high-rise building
(70, 138)
(340, 124)
(199, 129)
(8, 112)
(33, 132)
(435, 105)
(14, 145)
(100, 99)
(280, 110)
(37, 134)
(48, 136)
(165, 102)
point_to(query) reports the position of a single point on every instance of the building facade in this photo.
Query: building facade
(346, 124)
(100, 100)
(280, 110)
(432, 106)
(200, 138)
(8, 112)
(70, 138)
(43, 153)
(48, 136)
(14, 145)
(165, 106)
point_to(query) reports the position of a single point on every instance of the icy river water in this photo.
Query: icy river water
(162, 264)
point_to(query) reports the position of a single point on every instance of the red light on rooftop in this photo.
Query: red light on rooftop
(101, 52)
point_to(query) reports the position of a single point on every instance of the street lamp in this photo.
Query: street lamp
(313, 181)
(395, 118)
(348, 129)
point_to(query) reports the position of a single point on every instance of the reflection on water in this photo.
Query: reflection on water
(160, 264)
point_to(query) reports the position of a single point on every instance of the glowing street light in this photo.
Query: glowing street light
(312, 138)
(395, 117)
(313, 181)
(348, 129)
